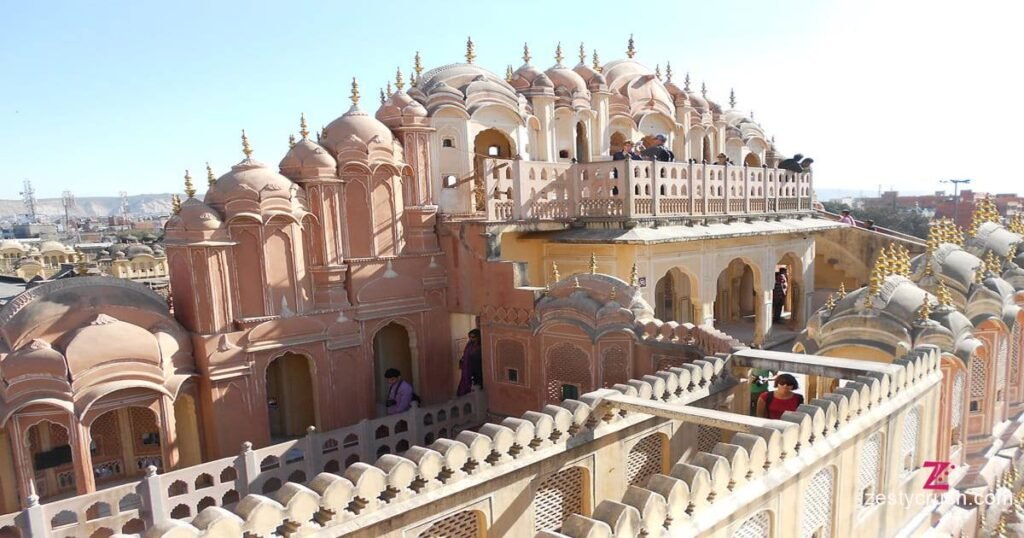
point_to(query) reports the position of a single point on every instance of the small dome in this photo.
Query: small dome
(194, 216)
(457, 76)
(356, 125)
(10, 244)
(525, 77)
(138, 250)
(307, 154)
(398, 107)
(543, 81)
(564, 77)
(120, 255)
(249, 179)
(696, 101)
(50, 246)
(36, 358)
(595, 81)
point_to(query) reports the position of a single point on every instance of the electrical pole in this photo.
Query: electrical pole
(28, 197)
(124, 210)
(956, 195)
(67, 199)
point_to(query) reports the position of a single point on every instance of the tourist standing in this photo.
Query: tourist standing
(471, 364)
(847, 218)
(400, 393)
(779, 294)
(772, 404)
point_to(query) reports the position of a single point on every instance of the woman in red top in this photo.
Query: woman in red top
(772, 404)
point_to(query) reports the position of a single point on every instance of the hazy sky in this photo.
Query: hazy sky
(98, 97)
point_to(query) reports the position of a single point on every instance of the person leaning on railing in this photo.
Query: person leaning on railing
(626, 153)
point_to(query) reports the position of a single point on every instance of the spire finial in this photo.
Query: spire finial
(830, 303)
(558, 54)
(925, 311)
(634, 276)
(388, 89)
(668, 71)
(704, 90)
(945, 298)
(383, 98)
(593, 263)
(303, 126)
(631, 49)
(583, 54)
(842, 290)
(576, 283)
(597, 62)
(190, 189)
(210, 180)
(246, 148)
(470, 50)
(657, 71)
(291, 141)
(417, 65)
(554, 272)
(526, 53)
(399, 80)
(686, 82)
(732, 98)
(508, 73)
(611, 294)
(355, 92)
(175, 204)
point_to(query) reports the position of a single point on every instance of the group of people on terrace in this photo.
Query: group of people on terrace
(651, 149)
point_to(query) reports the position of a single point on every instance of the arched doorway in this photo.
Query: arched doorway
(582, 144)
(492, 144)
(290, 396)
(752, 160)
(123, 443)
(391, 349)
(737, 308)
(793, 308)
(706, 149)
(673, 298)
(51, 459)
(616, 142)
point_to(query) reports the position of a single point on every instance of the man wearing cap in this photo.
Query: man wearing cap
(657, 151)
(847, 219)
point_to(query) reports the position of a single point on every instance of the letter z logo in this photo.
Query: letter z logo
(937, 480)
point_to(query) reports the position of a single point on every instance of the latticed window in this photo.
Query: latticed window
(909, 448)
(979, 370)
(558, 496)
(511, 356)
(707, 438)
(817, 505)
(567, 364)
(645, 459)
(958, 406)
(614, 369)
(464, 524)
(758, 525)
(868, 477)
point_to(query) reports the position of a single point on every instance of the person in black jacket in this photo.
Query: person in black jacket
(658, 151)
(626, 153)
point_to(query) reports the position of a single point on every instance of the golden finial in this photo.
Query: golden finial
(993, 264)
(882, 263)
(322, 135)
(303, 126)
(388, 89)
(979, 273)
(842, 290)
(634, 276)
(1012, 253)
(668, 71)
(1001, 526)
(657, 71)
(576, 283)
(399, 81)
(597, 62)
(905, 261)
(210, 180)
(526, 54)
(945, 298)
(508, 73)
(593, 263)
(383, 99)
(631, 49)
(1017, 224)
(175, 204)
(190, 189)
(686, 82)
(417, 65)
(470, 50)
(291, 141)
(355, 92)
(558, 54)
(732, 98)
(246, 148)
(704, 90)
(830, 303)
(583, 54)
(611, 296)
(925, 312)
(554, 272)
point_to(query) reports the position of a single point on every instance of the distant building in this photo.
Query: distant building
(944, 206)
(35, 231)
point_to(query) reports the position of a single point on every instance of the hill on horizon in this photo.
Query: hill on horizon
(93, 206)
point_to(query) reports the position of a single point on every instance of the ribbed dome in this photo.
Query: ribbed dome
(398, 107)
(356, 123)
(307, 154)
(457, 76)
(136, 250)
(10, 244)
(194, 216)
(564, 77)
(249, 179)
(50, 246)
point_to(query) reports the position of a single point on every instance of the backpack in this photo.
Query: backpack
(415, 397)
(771, 396)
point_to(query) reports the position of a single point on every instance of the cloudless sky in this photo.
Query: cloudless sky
(99, 97)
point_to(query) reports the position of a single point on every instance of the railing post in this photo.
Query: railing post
(153, 497)
(572, 177)
(480, 403)
(767, 188)
(746, 190)
(415, 423)
(655, 192)
(250, 468)
(704, 189)
(778, 191)
(689, 186)
(726, 183)
(366, 436)
(629, 198)
(35, 519)
(313, 453)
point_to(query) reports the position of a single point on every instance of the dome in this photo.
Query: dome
(563, 77)
(400, 106)
(639, 86)
(107, 339)
(697, 101)
(595, 81)
(50, 246)
(356, 125)
(458, 76)
(36, 358)
(10, 244)
(306, 154)
(138, 250)
(249, 179)
(525, 77)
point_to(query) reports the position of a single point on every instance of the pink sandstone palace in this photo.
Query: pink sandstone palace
(614, 402)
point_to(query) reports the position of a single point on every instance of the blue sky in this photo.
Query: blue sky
(103, 97)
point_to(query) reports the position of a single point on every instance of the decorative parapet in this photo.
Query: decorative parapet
(538, 191)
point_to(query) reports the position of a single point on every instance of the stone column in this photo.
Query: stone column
(85, 481)
(168, 434)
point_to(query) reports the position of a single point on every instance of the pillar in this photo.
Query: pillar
(168, 433)
(85, 481)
